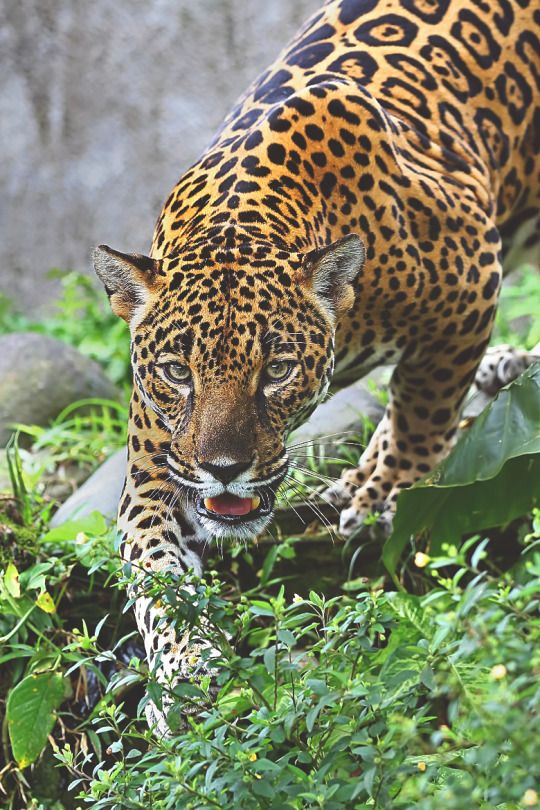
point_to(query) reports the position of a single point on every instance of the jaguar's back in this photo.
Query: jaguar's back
(460, 80)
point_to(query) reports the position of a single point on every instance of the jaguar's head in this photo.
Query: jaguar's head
(232, 347)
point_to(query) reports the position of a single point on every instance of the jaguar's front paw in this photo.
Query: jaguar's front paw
(339, 494)
(371, 525)
(501, 365)
(171, 718)
(157, 720)
(173, 715)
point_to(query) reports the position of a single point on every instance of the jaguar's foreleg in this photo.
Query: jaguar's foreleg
(158, 537)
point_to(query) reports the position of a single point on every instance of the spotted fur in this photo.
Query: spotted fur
(356, 207)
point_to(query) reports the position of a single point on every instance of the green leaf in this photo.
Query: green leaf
(11, 581)
(46, 602)
(286, 637)
(260, 608)
(34, 577)
(311, 717)
(316, 599)
(187, 690)
(269, 658)
(262, 789)
(93, 524)
(427, 678)
(31, 714)
(491, 477)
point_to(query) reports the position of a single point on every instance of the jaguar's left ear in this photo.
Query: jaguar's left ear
(331, 271)
(128, 278)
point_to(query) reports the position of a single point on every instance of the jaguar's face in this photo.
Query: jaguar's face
(232, 350)
(232, 368)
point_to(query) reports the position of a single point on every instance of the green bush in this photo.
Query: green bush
(372, 699)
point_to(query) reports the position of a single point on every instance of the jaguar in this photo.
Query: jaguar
(357, 207)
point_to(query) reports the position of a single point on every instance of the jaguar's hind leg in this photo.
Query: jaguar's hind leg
(370, 485)
(415, 434)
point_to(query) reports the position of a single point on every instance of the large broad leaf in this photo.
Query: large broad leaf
(491, 477)
(93, 524)
(31, 714)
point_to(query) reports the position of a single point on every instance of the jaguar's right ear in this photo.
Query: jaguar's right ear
(128, 278)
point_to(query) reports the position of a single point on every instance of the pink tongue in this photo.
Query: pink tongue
(229, 505)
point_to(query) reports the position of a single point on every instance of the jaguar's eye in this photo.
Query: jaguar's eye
(278, 371)
(177, 372)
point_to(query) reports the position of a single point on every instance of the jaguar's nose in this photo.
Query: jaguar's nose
(225, 472)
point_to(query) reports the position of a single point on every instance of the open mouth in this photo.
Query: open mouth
(233, 509)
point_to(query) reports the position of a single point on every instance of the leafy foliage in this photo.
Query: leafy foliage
(380, 699)
(370, 699)
(517, 317)
(86, 432)
(83, 319)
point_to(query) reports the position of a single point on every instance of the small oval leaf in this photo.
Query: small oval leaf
(46, 602)
(11, 581)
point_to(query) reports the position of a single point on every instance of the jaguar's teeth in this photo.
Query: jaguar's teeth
(210, 503)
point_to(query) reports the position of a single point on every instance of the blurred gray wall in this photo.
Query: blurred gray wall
(103, 105)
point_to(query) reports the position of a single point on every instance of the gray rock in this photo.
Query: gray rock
(40, 376)
(336, 416)
(100, 493)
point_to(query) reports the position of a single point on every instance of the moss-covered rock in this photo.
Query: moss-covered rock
(18, 543)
